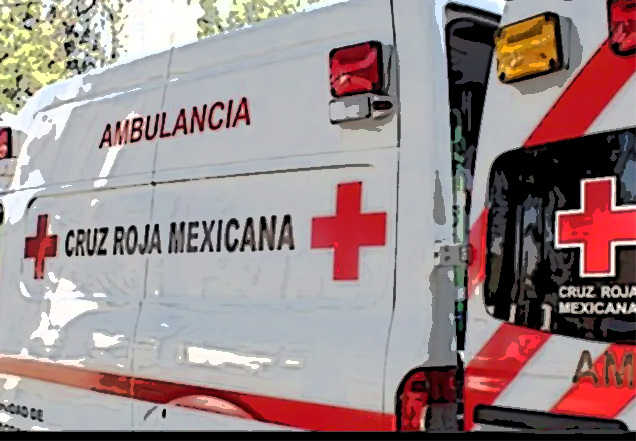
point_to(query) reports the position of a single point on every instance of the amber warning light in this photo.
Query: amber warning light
(5, 142)
(356, 69)
(529, 48)
(622, 26)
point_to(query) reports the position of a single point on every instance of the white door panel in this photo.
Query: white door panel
(273, 322)
(79, 308)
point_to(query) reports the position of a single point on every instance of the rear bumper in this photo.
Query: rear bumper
(507, 418)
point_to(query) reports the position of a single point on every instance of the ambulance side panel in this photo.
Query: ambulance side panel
(275, 323)
(82, 313)
(271, 322)
(63, 327)
(281, 69)
(67, 143)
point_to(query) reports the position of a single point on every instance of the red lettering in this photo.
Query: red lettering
(121, 132)
(130, 131)
(106, 137)
(136, 132)
(200, 119)
(243, 113)
(163, 125)
(148, 136)
(181, 123)
(210, 118)
(229, 113)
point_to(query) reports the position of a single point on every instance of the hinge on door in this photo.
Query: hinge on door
(452, 255)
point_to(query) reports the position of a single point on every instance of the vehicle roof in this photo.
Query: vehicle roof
(80, 86)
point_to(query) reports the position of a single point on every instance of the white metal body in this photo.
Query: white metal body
(511, 114)
(272, 327)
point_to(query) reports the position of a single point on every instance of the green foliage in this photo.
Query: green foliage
(210, 22)
(244, 12)
(45, 41)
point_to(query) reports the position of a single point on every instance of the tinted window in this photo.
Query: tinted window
(469, 47)
(568, 286)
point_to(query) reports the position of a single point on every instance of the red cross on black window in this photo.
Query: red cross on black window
(597, 228)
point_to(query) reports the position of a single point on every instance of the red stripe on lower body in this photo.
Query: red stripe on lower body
(600, 400)
(292, 413)
(497, 364)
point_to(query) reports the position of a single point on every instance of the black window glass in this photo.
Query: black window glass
(566, 286)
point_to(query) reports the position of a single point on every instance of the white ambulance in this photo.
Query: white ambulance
(552, 289)
(207, 238)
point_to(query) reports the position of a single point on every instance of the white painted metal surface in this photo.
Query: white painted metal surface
(512, 112)
(250, 325)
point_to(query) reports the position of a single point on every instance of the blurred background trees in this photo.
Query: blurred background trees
(245, 12)
(45, 41)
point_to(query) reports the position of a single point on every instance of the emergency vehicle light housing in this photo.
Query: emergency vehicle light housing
(6, 142)
(622, 26)
(356, 69)
(419, 389)
(529, 48)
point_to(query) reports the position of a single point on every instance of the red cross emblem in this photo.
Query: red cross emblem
(41, 246)
(348, 230)
(597, 228)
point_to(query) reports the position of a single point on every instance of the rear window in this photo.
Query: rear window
(561, 242)
(469, 47)
(469, 50)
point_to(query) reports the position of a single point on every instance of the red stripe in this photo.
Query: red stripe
(498, 363)
(585, 398)
(292, 413)
(477, 240)
(585, 98)
(580, 104)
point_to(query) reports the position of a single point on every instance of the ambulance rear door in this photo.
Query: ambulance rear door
(551, 291)
(561, 259)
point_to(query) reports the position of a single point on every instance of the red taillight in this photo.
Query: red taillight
(356, 69)
(5, 142)
(413, 403)
(421, 389)
(622, 26)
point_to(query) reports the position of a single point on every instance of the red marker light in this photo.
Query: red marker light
(5, 143)
(356, 69)
(414, 402)
(622, 26)
(420, 389)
